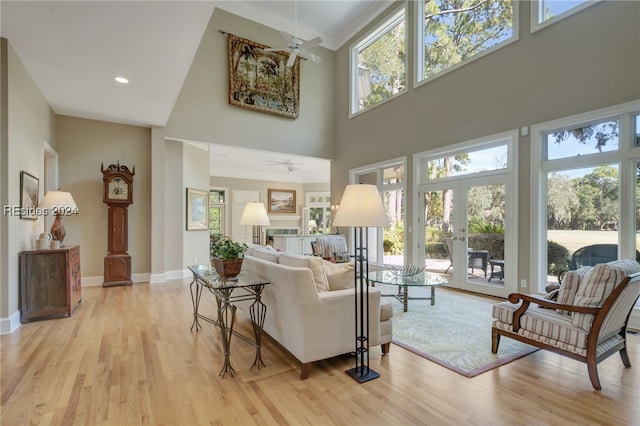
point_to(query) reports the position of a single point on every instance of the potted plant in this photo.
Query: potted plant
(227, 255)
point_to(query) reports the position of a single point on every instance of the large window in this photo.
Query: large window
(588, 189)
(546, 12)
(378, 64)
(452, 32)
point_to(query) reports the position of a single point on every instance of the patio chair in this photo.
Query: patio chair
(476, 258)
(592, 255)
(588, 325)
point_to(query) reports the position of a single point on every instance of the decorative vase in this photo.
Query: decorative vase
(227, 268)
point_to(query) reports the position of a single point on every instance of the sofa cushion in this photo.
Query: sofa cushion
(311, 262)
(386, 309)
(570, 285)
(341, 278)
(598, 284)
(266, 254)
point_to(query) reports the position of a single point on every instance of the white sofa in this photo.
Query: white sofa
(309, 320)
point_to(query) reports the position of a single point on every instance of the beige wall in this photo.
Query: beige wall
(29, 122)
(82, 146)
(565, 69)
(202, 112)
(195, 162)
(174, 213)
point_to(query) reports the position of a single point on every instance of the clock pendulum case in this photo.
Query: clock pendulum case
(117, 195)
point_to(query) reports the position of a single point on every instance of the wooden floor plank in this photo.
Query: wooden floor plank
(127, 356)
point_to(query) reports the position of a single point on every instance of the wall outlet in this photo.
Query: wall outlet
(523, 283)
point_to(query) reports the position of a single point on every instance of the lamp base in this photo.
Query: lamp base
(362, 374)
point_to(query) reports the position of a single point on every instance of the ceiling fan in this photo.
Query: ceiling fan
(297, 46)
(290, 165)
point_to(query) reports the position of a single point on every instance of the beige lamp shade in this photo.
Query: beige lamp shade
(312, 224)
(59, 203)
(254, 214)
(361, 205)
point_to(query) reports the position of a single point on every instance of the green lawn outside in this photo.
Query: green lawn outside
(573, 240)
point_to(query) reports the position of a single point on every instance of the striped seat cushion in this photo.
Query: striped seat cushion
(543, 325)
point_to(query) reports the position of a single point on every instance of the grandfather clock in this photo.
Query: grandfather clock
(117, 194)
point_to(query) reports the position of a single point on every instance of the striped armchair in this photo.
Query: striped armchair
(588, 324)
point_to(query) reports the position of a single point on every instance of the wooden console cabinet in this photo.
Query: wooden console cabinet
(49, 283)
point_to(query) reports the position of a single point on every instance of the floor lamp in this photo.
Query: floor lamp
(255, 214)
(361, 207)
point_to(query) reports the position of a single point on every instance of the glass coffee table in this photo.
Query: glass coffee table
(423, 279)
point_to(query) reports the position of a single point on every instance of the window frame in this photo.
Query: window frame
(626, 157)
(536, 11)
(378, 168)
(222, 206)
(390, 20)
(418, 74)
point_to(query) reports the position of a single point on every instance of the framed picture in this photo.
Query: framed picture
(29, 189)
(197, 209)
(282, 201)
(260, 80)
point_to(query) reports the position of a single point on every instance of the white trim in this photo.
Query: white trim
(157, 278)
(10, 324)
(96, 281)
(536, 11)
(511, 138)
(178, 275)
(392, 19)
(540, 166)
(418, 76)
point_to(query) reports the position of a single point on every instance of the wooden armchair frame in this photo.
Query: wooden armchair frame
(612, 304)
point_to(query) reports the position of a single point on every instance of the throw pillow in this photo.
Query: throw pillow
(313, 263)
(598, 285)
(341, 278)
(341, 257)
(569, 287)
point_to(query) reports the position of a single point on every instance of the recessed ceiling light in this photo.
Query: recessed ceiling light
(122, 80)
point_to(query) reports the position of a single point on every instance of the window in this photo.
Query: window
(319, 205)
(585, 194)
(465, 162)
(387, 245)
(378, 64)
(217, 205)
(637, 130)
(546, 12)
(453, 32)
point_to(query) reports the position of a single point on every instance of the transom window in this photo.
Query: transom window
(546, 12)
(594, 138)
(378, 64)
(465, 163)
(453, 32)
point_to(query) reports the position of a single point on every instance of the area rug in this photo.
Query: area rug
(454, 333)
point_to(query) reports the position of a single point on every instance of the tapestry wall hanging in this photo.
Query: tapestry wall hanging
(260, 80)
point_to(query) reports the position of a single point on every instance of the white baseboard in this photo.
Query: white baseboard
(11, 324)
(178, 275)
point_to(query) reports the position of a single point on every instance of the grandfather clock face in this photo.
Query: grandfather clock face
(117, 194)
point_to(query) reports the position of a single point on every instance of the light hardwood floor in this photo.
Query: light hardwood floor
(127, 357)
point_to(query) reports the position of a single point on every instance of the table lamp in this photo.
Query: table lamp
(256, 215)
(312, 226)
(361, 207)
(60, 204)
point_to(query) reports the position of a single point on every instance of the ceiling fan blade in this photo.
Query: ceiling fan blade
(314, 58)
(292, 57)
(274, 49)
(311, 43)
